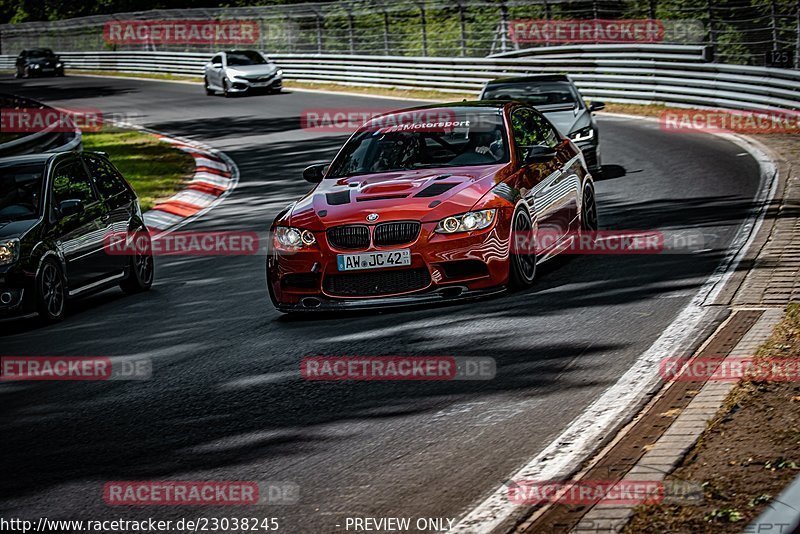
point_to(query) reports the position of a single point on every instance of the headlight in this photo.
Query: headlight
(59, 65)
(279, 73)
(289, 238)
(584, 134)
(473, 220)
(35, 66)
(9, 252)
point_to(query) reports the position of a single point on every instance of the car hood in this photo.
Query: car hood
(253, 70)
(424, 195)
(567, 120)
(12, 229)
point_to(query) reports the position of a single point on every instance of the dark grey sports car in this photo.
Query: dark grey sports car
(38, 62)
(560, 102)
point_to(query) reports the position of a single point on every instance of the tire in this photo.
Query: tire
(26, 72)
(17, 74)
(209, 91)
(589, 220)
(225, 89)
(51, 292)
(522, 267)
(140, 270)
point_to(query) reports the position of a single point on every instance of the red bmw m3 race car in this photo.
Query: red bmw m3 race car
(426, 205)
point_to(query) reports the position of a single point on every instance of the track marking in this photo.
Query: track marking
(589, 430)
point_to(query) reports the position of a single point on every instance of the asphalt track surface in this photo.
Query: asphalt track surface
(226, 402)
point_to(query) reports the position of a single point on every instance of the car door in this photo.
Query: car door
(540, 182)
(567, 184)
(119, 202)
(78, 236)
(215, 73)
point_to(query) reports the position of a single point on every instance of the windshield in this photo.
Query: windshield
(40, 53)
(451, 137)
(20, 191)
(247, 57)
(535, 93)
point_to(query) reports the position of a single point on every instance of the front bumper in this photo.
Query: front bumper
(240, 85)
(443, 268)
(46, 71)
(439, 296)
(15, 291)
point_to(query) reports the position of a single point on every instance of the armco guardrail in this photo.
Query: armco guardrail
(50, 139)
(643, 74)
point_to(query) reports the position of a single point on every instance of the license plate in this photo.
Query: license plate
(260, 84)
(374, 260)
(48, 69)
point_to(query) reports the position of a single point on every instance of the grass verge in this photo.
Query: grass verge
(748, 454)
(154, 168)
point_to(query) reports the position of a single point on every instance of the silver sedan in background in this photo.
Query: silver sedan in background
(241, 71)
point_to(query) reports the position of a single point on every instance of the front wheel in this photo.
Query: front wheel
(209, 90)
(141, 268)
(225, 88)
(589, 222)
(522, 270)
(51, 292)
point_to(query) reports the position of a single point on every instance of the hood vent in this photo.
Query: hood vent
(379, 197)
(434, 190)
(337, 199)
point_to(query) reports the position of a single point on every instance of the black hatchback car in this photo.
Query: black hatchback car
(38, 62)
(56, 212)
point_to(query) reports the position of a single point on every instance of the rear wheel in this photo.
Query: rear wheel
(51, 292)
(522, 270)
(140, 270)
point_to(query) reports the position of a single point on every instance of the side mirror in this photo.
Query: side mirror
(596, 106)
(70, 207)
(539, 154)
(314, 173)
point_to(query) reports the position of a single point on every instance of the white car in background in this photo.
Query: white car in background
(241, 71)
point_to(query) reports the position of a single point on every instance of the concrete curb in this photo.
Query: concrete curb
(668, 451)
(748, 288)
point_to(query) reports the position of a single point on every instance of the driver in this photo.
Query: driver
(490, 143)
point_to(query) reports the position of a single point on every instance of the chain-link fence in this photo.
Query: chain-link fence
(754, 32)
